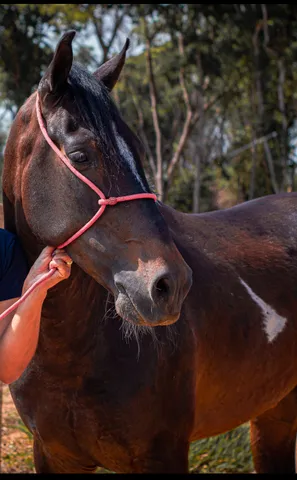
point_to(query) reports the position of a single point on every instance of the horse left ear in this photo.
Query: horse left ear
(54, 80)
(110, 71)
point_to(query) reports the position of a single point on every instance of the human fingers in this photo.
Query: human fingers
(45, 256)
(60, 262)
(61, 272)
(62, 255)
(47, 251)
(57, 251)
(41, 264)
(63, 267)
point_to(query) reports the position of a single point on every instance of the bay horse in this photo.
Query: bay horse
(172, 327)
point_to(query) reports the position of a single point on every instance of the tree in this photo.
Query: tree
(207, 81)
(24, 52)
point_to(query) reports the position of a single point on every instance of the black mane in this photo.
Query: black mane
(100, 114)
(96, 107)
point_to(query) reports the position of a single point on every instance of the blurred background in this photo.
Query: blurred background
(211, 92)
(209, 89)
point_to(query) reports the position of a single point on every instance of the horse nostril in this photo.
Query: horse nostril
(161, 289)
(120, 287)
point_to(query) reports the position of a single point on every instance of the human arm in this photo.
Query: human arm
(19, 331)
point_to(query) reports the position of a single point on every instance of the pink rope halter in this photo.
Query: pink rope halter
(103, 203)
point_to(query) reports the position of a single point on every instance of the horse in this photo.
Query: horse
(172, 327)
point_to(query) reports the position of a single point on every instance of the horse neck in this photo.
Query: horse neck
(72, 321)
(71, 328)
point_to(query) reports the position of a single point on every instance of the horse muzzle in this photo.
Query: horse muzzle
(152, 300)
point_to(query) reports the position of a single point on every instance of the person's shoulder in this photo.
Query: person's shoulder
(7, 238)
(13, 265)
(9, 245)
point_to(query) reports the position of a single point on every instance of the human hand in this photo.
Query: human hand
(49, 258)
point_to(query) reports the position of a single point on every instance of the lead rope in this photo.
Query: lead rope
(103, 202)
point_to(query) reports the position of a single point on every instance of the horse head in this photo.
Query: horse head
(128, 250)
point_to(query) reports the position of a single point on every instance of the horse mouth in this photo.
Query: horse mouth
(129, 312)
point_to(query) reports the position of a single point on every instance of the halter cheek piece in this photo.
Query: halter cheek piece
(103, 203)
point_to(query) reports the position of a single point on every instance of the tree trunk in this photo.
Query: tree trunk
(261, 111)
(116, 22)
(189, 113)
(154, 110)
(253, 172)
(197, 180)
(282, 109)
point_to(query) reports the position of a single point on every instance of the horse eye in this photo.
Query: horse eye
(78, 157)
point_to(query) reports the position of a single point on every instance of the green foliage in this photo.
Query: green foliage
(226, 453)
(241, 59)
(180, 192)
(22, 427)
(24, 51)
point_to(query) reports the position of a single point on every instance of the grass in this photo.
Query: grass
(226, 453)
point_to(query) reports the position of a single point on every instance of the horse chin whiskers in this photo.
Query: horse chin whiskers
(110, 311)
(131, 331)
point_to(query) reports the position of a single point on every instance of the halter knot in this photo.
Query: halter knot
(108, 201)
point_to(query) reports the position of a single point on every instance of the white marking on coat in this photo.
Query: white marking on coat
(126, 153)
(273, 322)
(123, 148)
(94, 243)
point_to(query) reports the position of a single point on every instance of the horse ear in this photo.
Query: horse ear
(110, 71)
(54, 79)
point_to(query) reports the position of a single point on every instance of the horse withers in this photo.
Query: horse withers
(133, 362)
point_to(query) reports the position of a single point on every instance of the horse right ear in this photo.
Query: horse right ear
(110, 71)
(53, 82)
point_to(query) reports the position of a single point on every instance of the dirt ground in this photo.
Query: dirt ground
(16, 444)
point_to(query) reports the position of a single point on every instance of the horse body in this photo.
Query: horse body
(101, 393)
(109, 404)
(240, 257)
